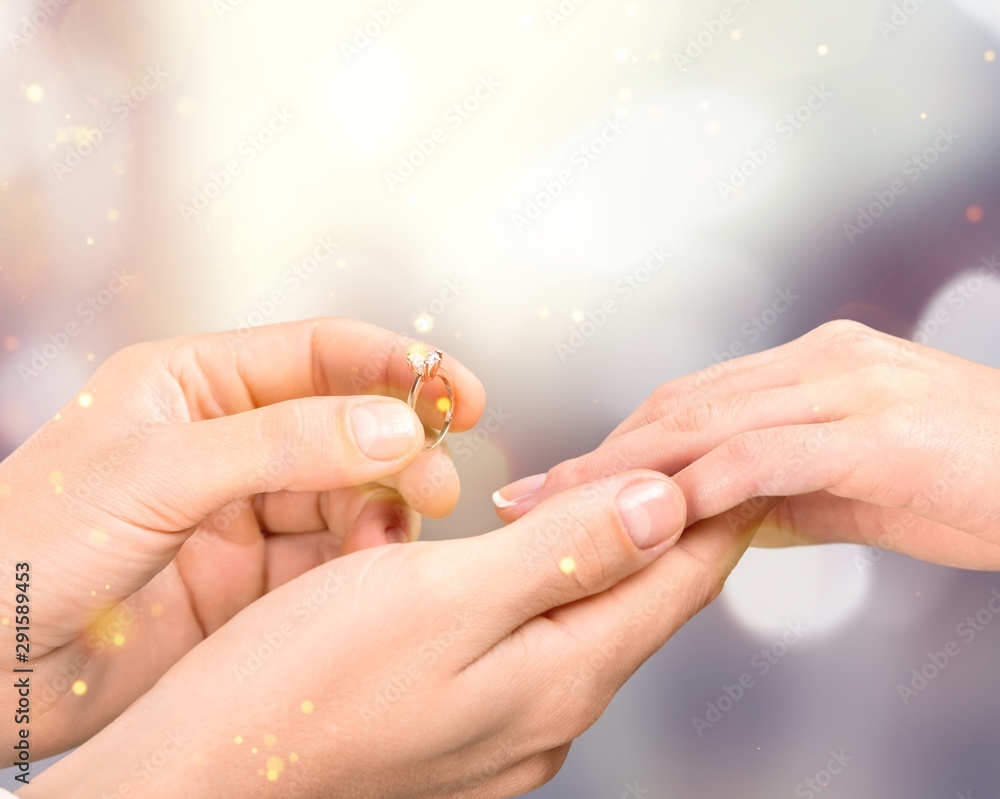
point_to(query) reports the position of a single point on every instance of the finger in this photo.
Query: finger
(575, 544)
(822, 518)
(311, 444)
(266, 365)
(430, 485)
(629, 623)
(770, 369)
(674, 440)
(781, 461)
(581, 653)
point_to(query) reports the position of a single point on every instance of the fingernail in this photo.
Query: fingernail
(383, 430)
(652, 512)
(396, 535)
(511, 495)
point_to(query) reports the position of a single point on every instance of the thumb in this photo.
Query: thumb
(577, 543)
(310, 444)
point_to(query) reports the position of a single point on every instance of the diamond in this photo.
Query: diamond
(425, 364)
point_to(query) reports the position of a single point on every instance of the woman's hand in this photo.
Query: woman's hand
(872, 439)
(191, 477)
(446, 669)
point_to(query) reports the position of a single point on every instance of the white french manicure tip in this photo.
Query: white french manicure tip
(502, 503)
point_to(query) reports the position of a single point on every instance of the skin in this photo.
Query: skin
(869, 438)
(444, 669)
(206, 472)
(270, 604)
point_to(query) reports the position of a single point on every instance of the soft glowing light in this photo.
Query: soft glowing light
(4, 621)
(79, 688)
(238, 740)
(736, 34)
(11, 343)
(156, 610)
(275, 765)
(577, 316)
(98, 537)
(294, 758)
(270, 739)
(423, 323)
(655, 55)
(989, 55)
(444, 405)
(85, 400)
(621, 54)
(90, 241)
(567, 565)
(527, 22)
(112, 215)
(34, 93)
(185, 106)
(90, 357)
(119, 640)
(923, 115)
(819, 589)
(6, 490)
(974, 214)
(307, 707)
(544, 312)
(823, 50)
(56, 478)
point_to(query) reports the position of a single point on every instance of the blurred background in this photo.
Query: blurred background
(488, 177)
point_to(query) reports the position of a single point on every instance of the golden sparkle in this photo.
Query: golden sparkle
(736, 34)
(156, 610)
(6, 490)
(85, 400)
(11, 343)
(238, 740)
(989, 55)
(119, 640)
(293, 758)
(307, 707)
(621, 54)
(577, 316)
(567, 565)
(56, 478)
(823, 50)
(79, 688)
(34, 93)
(254, 751)
(90, 241)
(4, 621)
(98, 537)
(270, 739)
(444, 405)
(112, 215)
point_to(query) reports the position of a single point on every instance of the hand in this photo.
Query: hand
(448, 669)
(192, 477)
(872, 439)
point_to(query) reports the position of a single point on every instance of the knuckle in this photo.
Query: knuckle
(692, 419)
(586, 557)
(746, 448)
(570, 473)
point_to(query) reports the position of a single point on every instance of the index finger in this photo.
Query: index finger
(250, 368)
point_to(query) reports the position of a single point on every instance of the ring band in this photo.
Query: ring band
(427, 366)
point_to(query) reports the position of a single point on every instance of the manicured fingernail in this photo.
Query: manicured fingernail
(511, 495)
(384, 430)
(652, 512)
